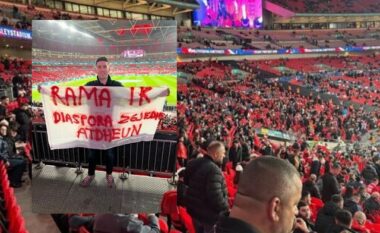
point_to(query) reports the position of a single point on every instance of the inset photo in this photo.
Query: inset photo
(104, 100)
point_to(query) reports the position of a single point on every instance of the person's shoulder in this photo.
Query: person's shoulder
(115, 83)
(91, 83)
(194, 163)
(211, 167)
(200, 164)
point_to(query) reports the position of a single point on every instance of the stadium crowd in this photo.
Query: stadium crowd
(352, 78)
(15, 117)
(219, 105)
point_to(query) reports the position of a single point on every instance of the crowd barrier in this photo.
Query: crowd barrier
(157, 156)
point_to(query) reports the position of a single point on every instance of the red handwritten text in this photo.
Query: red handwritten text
(125, 117)
(100, 97)
(83, 119)
(108, 134)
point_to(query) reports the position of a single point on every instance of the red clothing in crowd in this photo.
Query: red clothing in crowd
(22, 100)
(181, 150)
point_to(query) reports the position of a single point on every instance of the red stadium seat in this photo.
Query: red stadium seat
(175, 231)
(170, 209)
(176, 215)
(83, 230)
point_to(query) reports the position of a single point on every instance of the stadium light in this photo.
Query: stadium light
(244, 11)
(63, 24)
(73, 29)
(86, 35)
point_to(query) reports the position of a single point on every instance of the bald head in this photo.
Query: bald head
(313, 178)
(216, 151)
(268, 177)
(272, 188)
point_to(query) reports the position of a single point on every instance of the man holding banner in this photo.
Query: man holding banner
(101, 116)
(103, 79)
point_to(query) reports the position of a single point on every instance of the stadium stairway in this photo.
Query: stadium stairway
(34, 222)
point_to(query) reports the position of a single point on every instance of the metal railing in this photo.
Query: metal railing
(157, 156)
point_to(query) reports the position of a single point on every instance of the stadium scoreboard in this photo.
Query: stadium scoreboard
(133, 53)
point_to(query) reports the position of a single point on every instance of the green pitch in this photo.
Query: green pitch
(128, 81)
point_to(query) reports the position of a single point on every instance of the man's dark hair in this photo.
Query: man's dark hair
(301, 204)
(344, 217)
(14, 126)
(304, 193)
(336, 198)
(336, 165)
(101, 59)
(4, 97)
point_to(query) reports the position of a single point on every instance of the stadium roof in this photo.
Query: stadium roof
(330, 7)
(107, 32)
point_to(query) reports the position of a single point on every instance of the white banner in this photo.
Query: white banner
(101, 117)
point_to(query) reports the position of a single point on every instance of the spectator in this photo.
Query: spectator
(235, 153)
(311, 187)
(11, 137)
(23, 118)
(372, 186)
(3, 106)
(22, 98)
(371, 206)
(305, 197)
(376, 160)
(115, 223)
(326, 215)
(352, 203)
(304, 212)
(274, 200)
(181, 152)
(360, 218)
(6, 60)
(206, 197)
(359, 222)
(330, 182)
(267, 149)
(102, 79)
(343, 222)
(369, 173)
(15, 165)
(315, 169)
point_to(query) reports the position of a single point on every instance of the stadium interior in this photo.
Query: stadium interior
(298, 79)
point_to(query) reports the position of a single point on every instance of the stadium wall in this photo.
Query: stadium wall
(341, 20)
(206, 57)
(25, 54)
